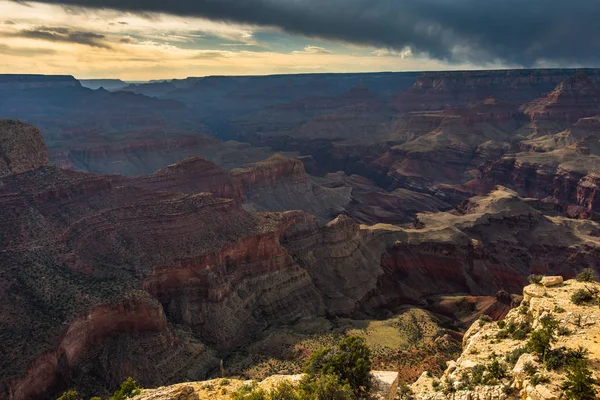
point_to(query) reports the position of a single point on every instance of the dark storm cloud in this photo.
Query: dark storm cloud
(513, 31)
(60, 34)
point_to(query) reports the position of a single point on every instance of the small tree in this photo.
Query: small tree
(579, 384)
(540, 341)
(128, 389)
(587, 275)
(350, 363)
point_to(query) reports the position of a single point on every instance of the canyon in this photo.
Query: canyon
(160, 229)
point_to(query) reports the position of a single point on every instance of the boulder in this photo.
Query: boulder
(549, 281)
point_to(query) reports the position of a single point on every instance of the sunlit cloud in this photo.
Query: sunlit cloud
(308, 49)
(51, 39)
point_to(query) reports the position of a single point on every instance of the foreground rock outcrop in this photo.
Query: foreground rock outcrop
(22, 148)
(498, 354)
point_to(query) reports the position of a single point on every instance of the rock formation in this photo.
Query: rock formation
(22, 148)
(519, 374)
(574, 98)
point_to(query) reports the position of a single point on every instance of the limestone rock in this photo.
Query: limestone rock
(550, 281)
(385, 384)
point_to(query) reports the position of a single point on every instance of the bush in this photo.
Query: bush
(484, 319)
(405, 392)
(579, 384)
(563, 331)
(514, 355)
(284, 391)
(581, 296)
(249, 392)
(70, 395)
(535, 279)
(128, 389)
(539, 343)
(326, 387)
(530, 369)
(496, 370)
(538, 378)
(558, 358)
(587, 275)
(350, 363)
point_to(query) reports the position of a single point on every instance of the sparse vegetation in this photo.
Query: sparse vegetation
(530, 369)
(405, 392)
(350, 362)
(484, 319)
(581, 297)
(333, 373)
(579, 384)
(561, 357)
(542, 338)
(535, 279)
(517, 332)
(587, 275)
(514, 355)
(128, 389)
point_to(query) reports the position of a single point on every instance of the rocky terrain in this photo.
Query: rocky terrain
(521, 373)
(497, 360)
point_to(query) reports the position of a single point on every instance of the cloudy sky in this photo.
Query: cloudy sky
(155, 39)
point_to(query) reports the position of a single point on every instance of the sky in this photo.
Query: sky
(139, 40)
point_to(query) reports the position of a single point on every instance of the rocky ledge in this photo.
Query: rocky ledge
(500, 360)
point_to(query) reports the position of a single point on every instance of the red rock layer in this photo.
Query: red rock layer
(574, 98)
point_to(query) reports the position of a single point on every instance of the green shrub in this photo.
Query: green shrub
(484, 319)
(535, 279)
(563, 331)
(350, 362)
(249, 392)
(539, 378)
(128, 389)
(496, 370)
(514, 355)
(70, 395)
(587, 275)
(539, 343)
(579, 384)
(530, 369)
(477, 373)
(502, 334)
(325, 387)
(405, 392)
(581, 296)
(558, 358)
(284, 391)
(501, 324)
(521, 331)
